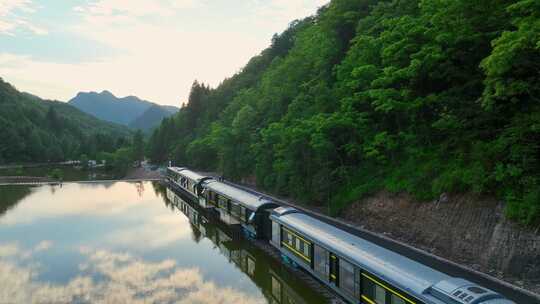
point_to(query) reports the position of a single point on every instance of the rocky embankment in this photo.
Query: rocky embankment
(465, 229)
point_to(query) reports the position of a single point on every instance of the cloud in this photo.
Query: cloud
(285, 11)
(136, 8)
(9, 6)
(157, 48)
(11, 17)
(123, 279)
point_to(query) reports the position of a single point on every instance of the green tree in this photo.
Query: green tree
(84, 161)
(422, 97)
(138, 146)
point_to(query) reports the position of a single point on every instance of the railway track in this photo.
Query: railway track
(512, 292)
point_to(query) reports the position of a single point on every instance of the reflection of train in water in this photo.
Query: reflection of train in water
(249, 260)
(358, 270)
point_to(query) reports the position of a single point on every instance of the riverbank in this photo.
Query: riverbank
(39, 174)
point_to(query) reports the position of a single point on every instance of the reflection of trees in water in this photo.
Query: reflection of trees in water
(11, 196)
(196, 235)
(276, 283)
(159, 189)
(104, 185)
(168, 203)
(140, 188)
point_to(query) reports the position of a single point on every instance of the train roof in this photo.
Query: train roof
(415, 278)
(386, 264)
(246, 199)
(188, 173)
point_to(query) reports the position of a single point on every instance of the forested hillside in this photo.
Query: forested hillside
(36, 130)
(151, 118)
(423, 97)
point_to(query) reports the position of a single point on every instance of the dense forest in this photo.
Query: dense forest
(423, 97)
(36, 130)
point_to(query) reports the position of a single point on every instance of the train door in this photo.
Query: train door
(334, 269)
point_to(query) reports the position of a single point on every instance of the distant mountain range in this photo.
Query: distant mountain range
(130, 111)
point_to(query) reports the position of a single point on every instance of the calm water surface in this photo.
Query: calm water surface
(127, 243)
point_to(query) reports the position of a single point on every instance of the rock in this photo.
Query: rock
(443, 198)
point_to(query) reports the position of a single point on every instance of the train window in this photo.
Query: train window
(296, 244)
(235, 209)
(380, 295)
(243, 217)
(357, 276)
(374, 292)
(306, 250)
(222, 202)
(288, 237)
(346, 273)
(368, 289)
(396, 300)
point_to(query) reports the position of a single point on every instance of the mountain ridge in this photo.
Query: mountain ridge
(127, 111)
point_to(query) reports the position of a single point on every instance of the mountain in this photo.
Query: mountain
(125, 111)
(36, 130)
(151, 118)
(108, 107)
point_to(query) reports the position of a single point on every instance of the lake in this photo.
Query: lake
(127, 243)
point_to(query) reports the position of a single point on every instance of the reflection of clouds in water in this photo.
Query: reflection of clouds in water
(43, 245)
(77, 199)
(154, 232)
(126, 279)
(10, 250)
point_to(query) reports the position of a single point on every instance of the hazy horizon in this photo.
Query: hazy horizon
(153, 49)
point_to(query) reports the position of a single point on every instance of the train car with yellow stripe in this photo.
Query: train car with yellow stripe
(362, 272)
(187, 180)
(236, 206)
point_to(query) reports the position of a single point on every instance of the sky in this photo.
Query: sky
(153, 49)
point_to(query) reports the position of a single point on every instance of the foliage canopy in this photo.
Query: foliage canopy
(414, 96)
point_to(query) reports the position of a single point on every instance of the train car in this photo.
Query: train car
(363, 272)
(188, 180)
(273, 286)
(237, 206)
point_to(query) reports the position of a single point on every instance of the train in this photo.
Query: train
(276, 285)
(356, 269)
